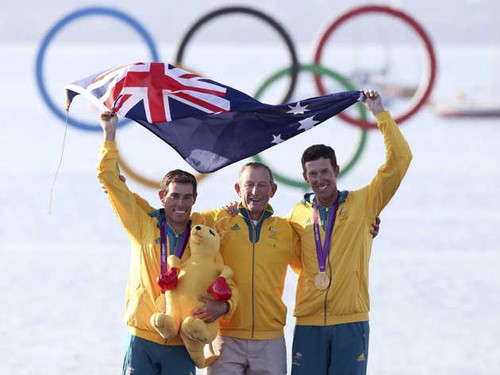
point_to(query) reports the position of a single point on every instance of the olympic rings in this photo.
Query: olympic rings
(84, 12)
(420, 97)
(258, 14)
(317, 69)
(422, 93)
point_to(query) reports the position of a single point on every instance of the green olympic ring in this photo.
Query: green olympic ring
(321, 70)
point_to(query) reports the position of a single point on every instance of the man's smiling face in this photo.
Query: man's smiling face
(178, 202)
(322, 177)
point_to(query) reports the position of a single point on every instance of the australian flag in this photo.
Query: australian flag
(209, 124)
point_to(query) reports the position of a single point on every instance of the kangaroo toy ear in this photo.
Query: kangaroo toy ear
(222, 226)
(197, 218)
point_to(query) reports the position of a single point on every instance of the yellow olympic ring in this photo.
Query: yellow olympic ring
(154, 184)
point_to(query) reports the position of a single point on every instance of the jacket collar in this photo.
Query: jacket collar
(159, 215)
(254, 230)
(308, 198)
(244, 212)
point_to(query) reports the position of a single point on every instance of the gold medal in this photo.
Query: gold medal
(321, 281)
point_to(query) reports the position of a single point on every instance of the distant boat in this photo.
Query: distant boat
(467, 109)
(377, 79)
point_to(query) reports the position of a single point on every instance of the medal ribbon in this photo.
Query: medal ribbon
(165, 244)
(323, 250)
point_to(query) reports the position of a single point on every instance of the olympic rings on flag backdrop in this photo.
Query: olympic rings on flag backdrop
(321, 70)
(85, 12)
(294, 62)
(428, 79)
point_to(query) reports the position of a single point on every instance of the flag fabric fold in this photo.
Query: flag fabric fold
(209, 124)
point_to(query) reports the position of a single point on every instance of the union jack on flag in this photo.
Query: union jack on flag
(209, 124)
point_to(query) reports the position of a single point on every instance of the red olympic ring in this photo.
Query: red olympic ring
(423, 92)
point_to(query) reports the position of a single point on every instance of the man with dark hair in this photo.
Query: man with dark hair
(315, 152)
(154, 235)
(332, 302)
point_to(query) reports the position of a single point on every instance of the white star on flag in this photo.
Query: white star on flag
(298, 109)
(277, 139)
(307, 124)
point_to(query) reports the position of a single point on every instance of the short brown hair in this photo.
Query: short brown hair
(178, 175)
(316, 152)
(256, 164)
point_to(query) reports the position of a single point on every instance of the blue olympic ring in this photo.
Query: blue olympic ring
(65, 21)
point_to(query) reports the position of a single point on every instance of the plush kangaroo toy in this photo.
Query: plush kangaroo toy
(199, 275)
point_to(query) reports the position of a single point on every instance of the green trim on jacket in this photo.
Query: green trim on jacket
(323, 212)
(246, 215)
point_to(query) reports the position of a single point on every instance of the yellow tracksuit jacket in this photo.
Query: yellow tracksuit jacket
(346, 300)
(142, 226)
(259, 255)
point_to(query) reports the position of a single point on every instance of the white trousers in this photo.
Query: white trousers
(248, 357)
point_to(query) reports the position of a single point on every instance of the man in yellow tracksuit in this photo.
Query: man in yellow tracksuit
(147, 351)
(332, 302)
(258, 248)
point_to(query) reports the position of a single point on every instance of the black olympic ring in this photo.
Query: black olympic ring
(294, 63)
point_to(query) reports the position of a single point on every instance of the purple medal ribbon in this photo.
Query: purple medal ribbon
(323, 250)
(165, 244)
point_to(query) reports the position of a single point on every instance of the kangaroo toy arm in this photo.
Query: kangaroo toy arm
(225, 271)
(174, 261)
(168, 280)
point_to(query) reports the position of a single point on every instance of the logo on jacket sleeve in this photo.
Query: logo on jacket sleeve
(235, 227)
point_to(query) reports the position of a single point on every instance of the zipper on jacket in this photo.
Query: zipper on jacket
(252, 229)
(325, 305)
(174, 248)
(254, 232)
